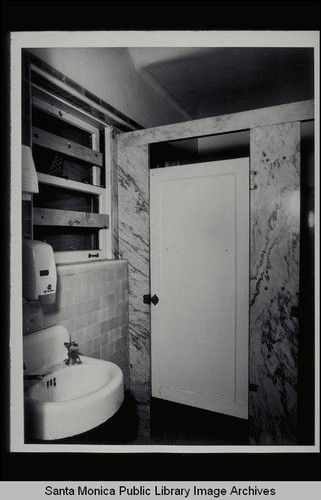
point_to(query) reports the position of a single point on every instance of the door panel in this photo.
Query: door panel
(200, 272)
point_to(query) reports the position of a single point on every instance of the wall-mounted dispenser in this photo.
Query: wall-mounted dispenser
(39, 271)
(29, 174)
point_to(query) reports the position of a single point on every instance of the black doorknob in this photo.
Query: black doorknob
(155, 299)
(148, 299)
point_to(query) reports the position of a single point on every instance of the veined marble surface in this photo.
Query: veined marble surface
(274, 269)
(274, 283)
(114, 197)
(302, 110)
(133, 211)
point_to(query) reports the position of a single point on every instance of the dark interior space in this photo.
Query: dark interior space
(306, 365)
(61, 128)
(67, 239)
(216, 147)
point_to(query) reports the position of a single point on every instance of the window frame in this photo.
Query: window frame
(58, 107)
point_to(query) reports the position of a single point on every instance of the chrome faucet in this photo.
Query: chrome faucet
(73, 356)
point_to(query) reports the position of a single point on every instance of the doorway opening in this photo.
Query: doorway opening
(191, 393)
(200, 149)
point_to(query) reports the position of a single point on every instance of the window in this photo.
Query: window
(71, 154)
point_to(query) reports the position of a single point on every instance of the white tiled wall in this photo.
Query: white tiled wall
(92, 303)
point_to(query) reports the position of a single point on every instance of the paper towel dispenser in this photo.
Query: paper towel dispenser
(29, 174)
(39, 271)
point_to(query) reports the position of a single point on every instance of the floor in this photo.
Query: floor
(177, 424)
(171, 424)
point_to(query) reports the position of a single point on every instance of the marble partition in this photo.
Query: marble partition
(274, 283)
(133, 212)
(114, 226)
(293, 112)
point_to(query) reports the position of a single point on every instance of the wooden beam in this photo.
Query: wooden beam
(69, 148)
(52, 217)
(61, 114)
(69, 91)
(45, 96)
(296, 111)
(51, 180)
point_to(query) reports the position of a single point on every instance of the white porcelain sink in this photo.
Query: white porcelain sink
(70, 399)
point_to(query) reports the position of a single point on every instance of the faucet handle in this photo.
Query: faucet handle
(73, 354)
(70, 344)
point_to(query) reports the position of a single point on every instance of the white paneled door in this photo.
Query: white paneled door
(200, 273)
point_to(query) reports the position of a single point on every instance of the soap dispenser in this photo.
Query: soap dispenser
(39, 271)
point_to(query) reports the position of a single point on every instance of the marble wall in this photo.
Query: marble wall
(274, 270)
(244, 120)
(114, 224)
(133, 210)
(274, 283)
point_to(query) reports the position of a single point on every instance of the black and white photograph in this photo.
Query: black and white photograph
(164, 207)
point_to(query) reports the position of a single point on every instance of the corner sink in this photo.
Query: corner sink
(69, 400)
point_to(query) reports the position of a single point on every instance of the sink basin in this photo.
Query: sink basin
(71, 399)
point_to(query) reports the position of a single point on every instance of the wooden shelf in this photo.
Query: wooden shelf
(69, 148)
(51, 180)
(68, 218)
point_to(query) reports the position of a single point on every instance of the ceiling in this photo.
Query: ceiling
(215, 81)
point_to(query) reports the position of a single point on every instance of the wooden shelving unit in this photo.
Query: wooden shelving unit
(69, 218)
(65, 146)
(70, 211)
